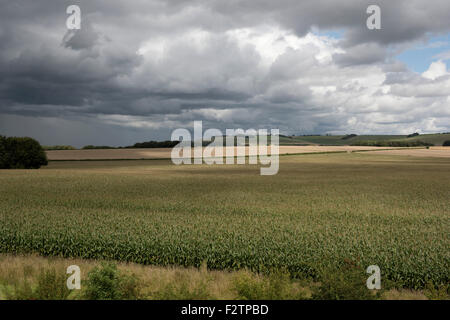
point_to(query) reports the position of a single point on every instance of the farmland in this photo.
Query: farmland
(165, 153)
(320, 211)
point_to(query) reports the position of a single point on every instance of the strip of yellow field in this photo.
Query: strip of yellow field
(440, 152)
(165, 153)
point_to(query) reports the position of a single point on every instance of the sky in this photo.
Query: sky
(137, 70)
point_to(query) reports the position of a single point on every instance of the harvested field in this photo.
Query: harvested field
(164, 153)
(114, 154)
(440, 152)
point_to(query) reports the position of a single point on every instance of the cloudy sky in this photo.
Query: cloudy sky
(138, 69)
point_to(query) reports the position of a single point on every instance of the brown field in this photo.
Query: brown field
(98, 154)
(164, 153)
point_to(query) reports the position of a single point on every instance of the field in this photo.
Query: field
(319, 212)
(440, 152)
(165, 153)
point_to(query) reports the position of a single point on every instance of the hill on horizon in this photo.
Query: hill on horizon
(328, 140)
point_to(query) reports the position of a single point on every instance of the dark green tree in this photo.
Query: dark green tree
(21, 153)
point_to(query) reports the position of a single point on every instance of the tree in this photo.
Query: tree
(21, 153)
(415, 134)
(446, 143)
(3, 155)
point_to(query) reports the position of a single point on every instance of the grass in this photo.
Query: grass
(36, 277)
(153, 282)
(317, 213)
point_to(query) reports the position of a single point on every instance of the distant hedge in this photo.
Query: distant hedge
(393, 143)
(155, 144)
(21, 153)
(88, 147)
(415, 134)
(446, 143)
(349, 136)
(59, 147)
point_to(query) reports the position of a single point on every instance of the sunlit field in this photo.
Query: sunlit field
(165, 153)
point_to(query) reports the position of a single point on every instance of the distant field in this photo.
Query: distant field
(319, 211)
(164, 153)
(297, 144)
(441, 152)
(105, 154)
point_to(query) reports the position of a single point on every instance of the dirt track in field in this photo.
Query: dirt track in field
(165, 153)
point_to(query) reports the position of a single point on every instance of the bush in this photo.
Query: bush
(346, 283)
(415, 134)
(446, 143)
(21, 153)
(107, 283)
(437, 292)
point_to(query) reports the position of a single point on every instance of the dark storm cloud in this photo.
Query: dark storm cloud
(84, 38)
(402, 20)
(150, 64)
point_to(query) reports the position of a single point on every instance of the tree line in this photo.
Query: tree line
(21, 153)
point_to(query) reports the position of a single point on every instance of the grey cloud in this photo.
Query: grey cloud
(402, 20)
(84, 38)
(366, 53)
(97, 72)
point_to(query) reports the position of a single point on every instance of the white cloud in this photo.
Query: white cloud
(437, 69)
